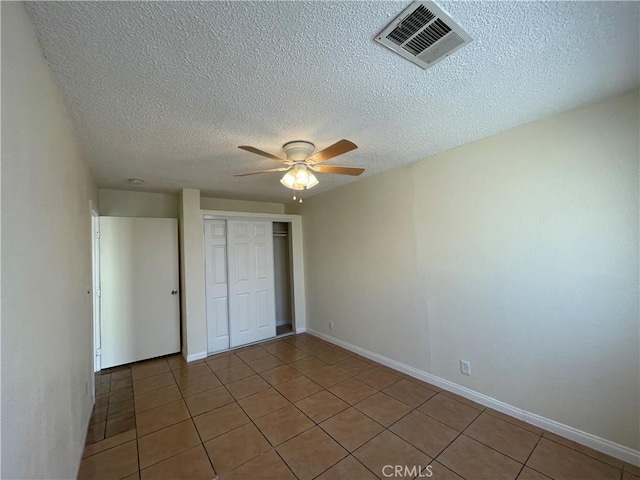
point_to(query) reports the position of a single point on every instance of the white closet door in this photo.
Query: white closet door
(251, 285)
(140, 305)
(215, 241)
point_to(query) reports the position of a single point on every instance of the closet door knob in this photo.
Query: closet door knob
(174, 292)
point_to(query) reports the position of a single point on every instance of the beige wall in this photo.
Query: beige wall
(124, 203)
(226, 205)
(518, 253)
(46, 233)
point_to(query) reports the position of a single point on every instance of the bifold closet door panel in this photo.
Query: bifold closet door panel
(215, 244)
(139, 289)
(251, 281)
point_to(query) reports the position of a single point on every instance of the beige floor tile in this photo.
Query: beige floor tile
(138, 373)
(165, 443)
(268, 466)
(530, 474)
(560, 462)
(449, 411)
(192, 465)
(96, 432)
(98, 415)
(586, 450)
(353, 366)
(424, 433)
(409, 393)
(289, 356)
(298, 388)
(348, 468)
(505, 437)
(116, 462)
(515, 421)
(191, 371)
(440, 472)
(466, 401)
(632, 469)
(251, 353)
(314, 348)
(176, 361)
(121, 375)
(308, 364)
(219, 421)
(263, 364)
(333, 356)
(236, 447)
(327, 376)
(121, 383)
(351, 428)
(108, 443)
(247, 386)
(320, 406)
(198, 384)
(388, 449)
(383, 409)
(153, 399)
(102, 400)
(352, 390)
(161, 417)
(234, 373)
(261, 403)
(208, 400)
(281, 374)
(279, 346)
(281, 425)
(311, 453)
(116, 396)
(378, 378)
(471, 459)
(222, 363)
(150, 384)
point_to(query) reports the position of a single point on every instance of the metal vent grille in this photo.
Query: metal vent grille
(410, 25)
(423, 34)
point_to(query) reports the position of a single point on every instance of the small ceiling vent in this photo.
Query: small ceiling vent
(423, 34)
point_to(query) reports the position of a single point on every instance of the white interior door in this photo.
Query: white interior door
(251, 283)
(140, 305)
(215, 241)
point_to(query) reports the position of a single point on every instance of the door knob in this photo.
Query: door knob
(174, 292)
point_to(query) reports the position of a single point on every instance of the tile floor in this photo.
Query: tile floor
(302, 408)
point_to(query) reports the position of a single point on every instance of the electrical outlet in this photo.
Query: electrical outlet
(330, 325)
(465, 367)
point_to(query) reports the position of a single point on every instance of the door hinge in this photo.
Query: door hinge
(98, 292)
(98, 234)
(98, 352)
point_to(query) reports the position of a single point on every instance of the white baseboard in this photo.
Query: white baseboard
(196, 356)
(301, 330)
(603, 445)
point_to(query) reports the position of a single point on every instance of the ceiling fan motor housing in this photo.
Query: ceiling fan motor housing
(298, 150)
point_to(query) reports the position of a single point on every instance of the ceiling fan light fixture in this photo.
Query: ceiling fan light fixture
(289, 179)
(299, 178)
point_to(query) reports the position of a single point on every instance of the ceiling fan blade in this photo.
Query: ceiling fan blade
(260, 152)
(339, 170)
(338, 148)
(283, 169)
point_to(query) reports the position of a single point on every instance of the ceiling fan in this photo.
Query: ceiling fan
(301, 162)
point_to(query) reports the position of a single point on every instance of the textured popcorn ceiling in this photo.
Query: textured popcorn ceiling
(167, 91)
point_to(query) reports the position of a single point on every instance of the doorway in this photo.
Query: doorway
(283, 278)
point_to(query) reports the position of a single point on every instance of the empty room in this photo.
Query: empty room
(320, 240)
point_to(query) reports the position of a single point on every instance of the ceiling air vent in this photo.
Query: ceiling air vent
(423, 34)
